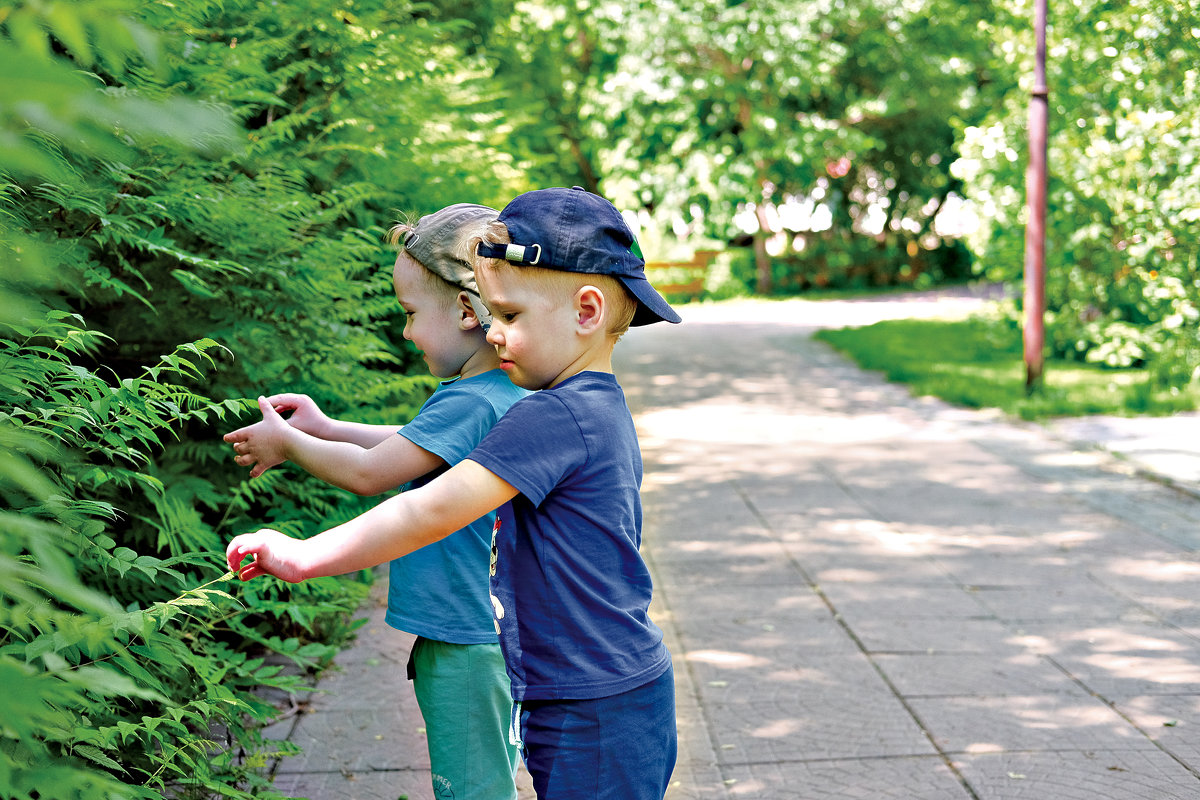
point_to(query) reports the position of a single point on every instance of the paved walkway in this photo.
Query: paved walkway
(869, 595)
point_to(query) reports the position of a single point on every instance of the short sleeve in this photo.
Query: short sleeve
(450, 424)
(534, 446)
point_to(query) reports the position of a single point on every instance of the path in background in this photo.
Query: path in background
(867, 594)
(871, 595)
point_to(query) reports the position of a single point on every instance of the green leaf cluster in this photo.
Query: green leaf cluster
(820, 133)
(1123, 243)
(194, 197)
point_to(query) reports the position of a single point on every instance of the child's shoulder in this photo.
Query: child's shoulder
(588, 395)
(472, 404)
(590, 386)
(492, 386)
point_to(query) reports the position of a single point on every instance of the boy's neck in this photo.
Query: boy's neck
(485, 359)
(596, 359)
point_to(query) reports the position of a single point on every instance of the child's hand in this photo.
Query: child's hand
(306, 414)
(262, 445)
(271, 553)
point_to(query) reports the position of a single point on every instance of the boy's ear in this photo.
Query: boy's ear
(467, 318)
(589, 308)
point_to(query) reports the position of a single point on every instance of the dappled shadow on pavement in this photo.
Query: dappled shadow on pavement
(874, 595)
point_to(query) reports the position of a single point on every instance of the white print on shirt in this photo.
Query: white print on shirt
(497, 607)
(495, 530)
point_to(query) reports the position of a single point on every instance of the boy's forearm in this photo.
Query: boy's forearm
(336, 462)
(359, 433)
(394, 528)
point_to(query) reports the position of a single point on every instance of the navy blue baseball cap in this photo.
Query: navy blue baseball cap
(576, 231)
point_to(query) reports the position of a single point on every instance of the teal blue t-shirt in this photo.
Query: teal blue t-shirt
(441, 591)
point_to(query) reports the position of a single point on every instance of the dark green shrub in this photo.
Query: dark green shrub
(182, 227)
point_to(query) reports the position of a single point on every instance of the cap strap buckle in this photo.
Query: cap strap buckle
(513, 253)
(518, 254)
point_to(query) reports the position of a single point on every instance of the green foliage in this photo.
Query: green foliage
(797, 128)
(191, 217)
(546, 66)
(978, 362)
(1124, 157)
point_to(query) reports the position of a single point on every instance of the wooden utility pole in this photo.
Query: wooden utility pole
(1035, 229)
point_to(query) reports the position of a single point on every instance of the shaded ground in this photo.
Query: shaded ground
(867, 595)
(873, 595)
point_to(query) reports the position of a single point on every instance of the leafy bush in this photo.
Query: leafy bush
(1124, 159)
(190, 217)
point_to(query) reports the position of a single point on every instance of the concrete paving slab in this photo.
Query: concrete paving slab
(771, 604)
(1122, 674)
(781, 645)
(933, 635)
(731, 676)
(1071, 599)
(982, 569)
(973, 674)
(1043, 722)
(1147, 636)
(827, 562)
(855, 779)
(1151, 444)
(361, 740)
(812, 726)
(778, 623)
(732, 572)
(407, 784)
(855, 602)
(1078, 775)
(1170, 721)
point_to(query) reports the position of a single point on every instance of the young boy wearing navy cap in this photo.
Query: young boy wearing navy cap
(592, 683)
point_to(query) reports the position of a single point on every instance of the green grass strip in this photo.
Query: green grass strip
(978, 363)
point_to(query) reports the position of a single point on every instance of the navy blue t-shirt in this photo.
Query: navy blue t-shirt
(570, 590)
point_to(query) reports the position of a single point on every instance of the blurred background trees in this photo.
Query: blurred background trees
(1122, 224)
(194, 196)
(820, 132)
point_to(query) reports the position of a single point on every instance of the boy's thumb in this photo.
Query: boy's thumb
(264, 405)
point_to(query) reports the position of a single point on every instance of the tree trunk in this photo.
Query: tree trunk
(762, 262)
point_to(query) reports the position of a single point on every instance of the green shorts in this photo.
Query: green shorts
(463, 693)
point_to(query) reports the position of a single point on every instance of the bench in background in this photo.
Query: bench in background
(681, 277)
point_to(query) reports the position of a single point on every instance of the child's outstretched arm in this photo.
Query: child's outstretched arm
(391, 462)
(391, 529)
(308, 417)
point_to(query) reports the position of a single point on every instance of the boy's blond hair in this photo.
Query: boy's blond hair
(560, 283)
(438, 285)
(437, 242)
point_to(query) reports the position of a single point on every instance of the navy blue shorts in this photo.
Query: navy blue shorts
(614, 748)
